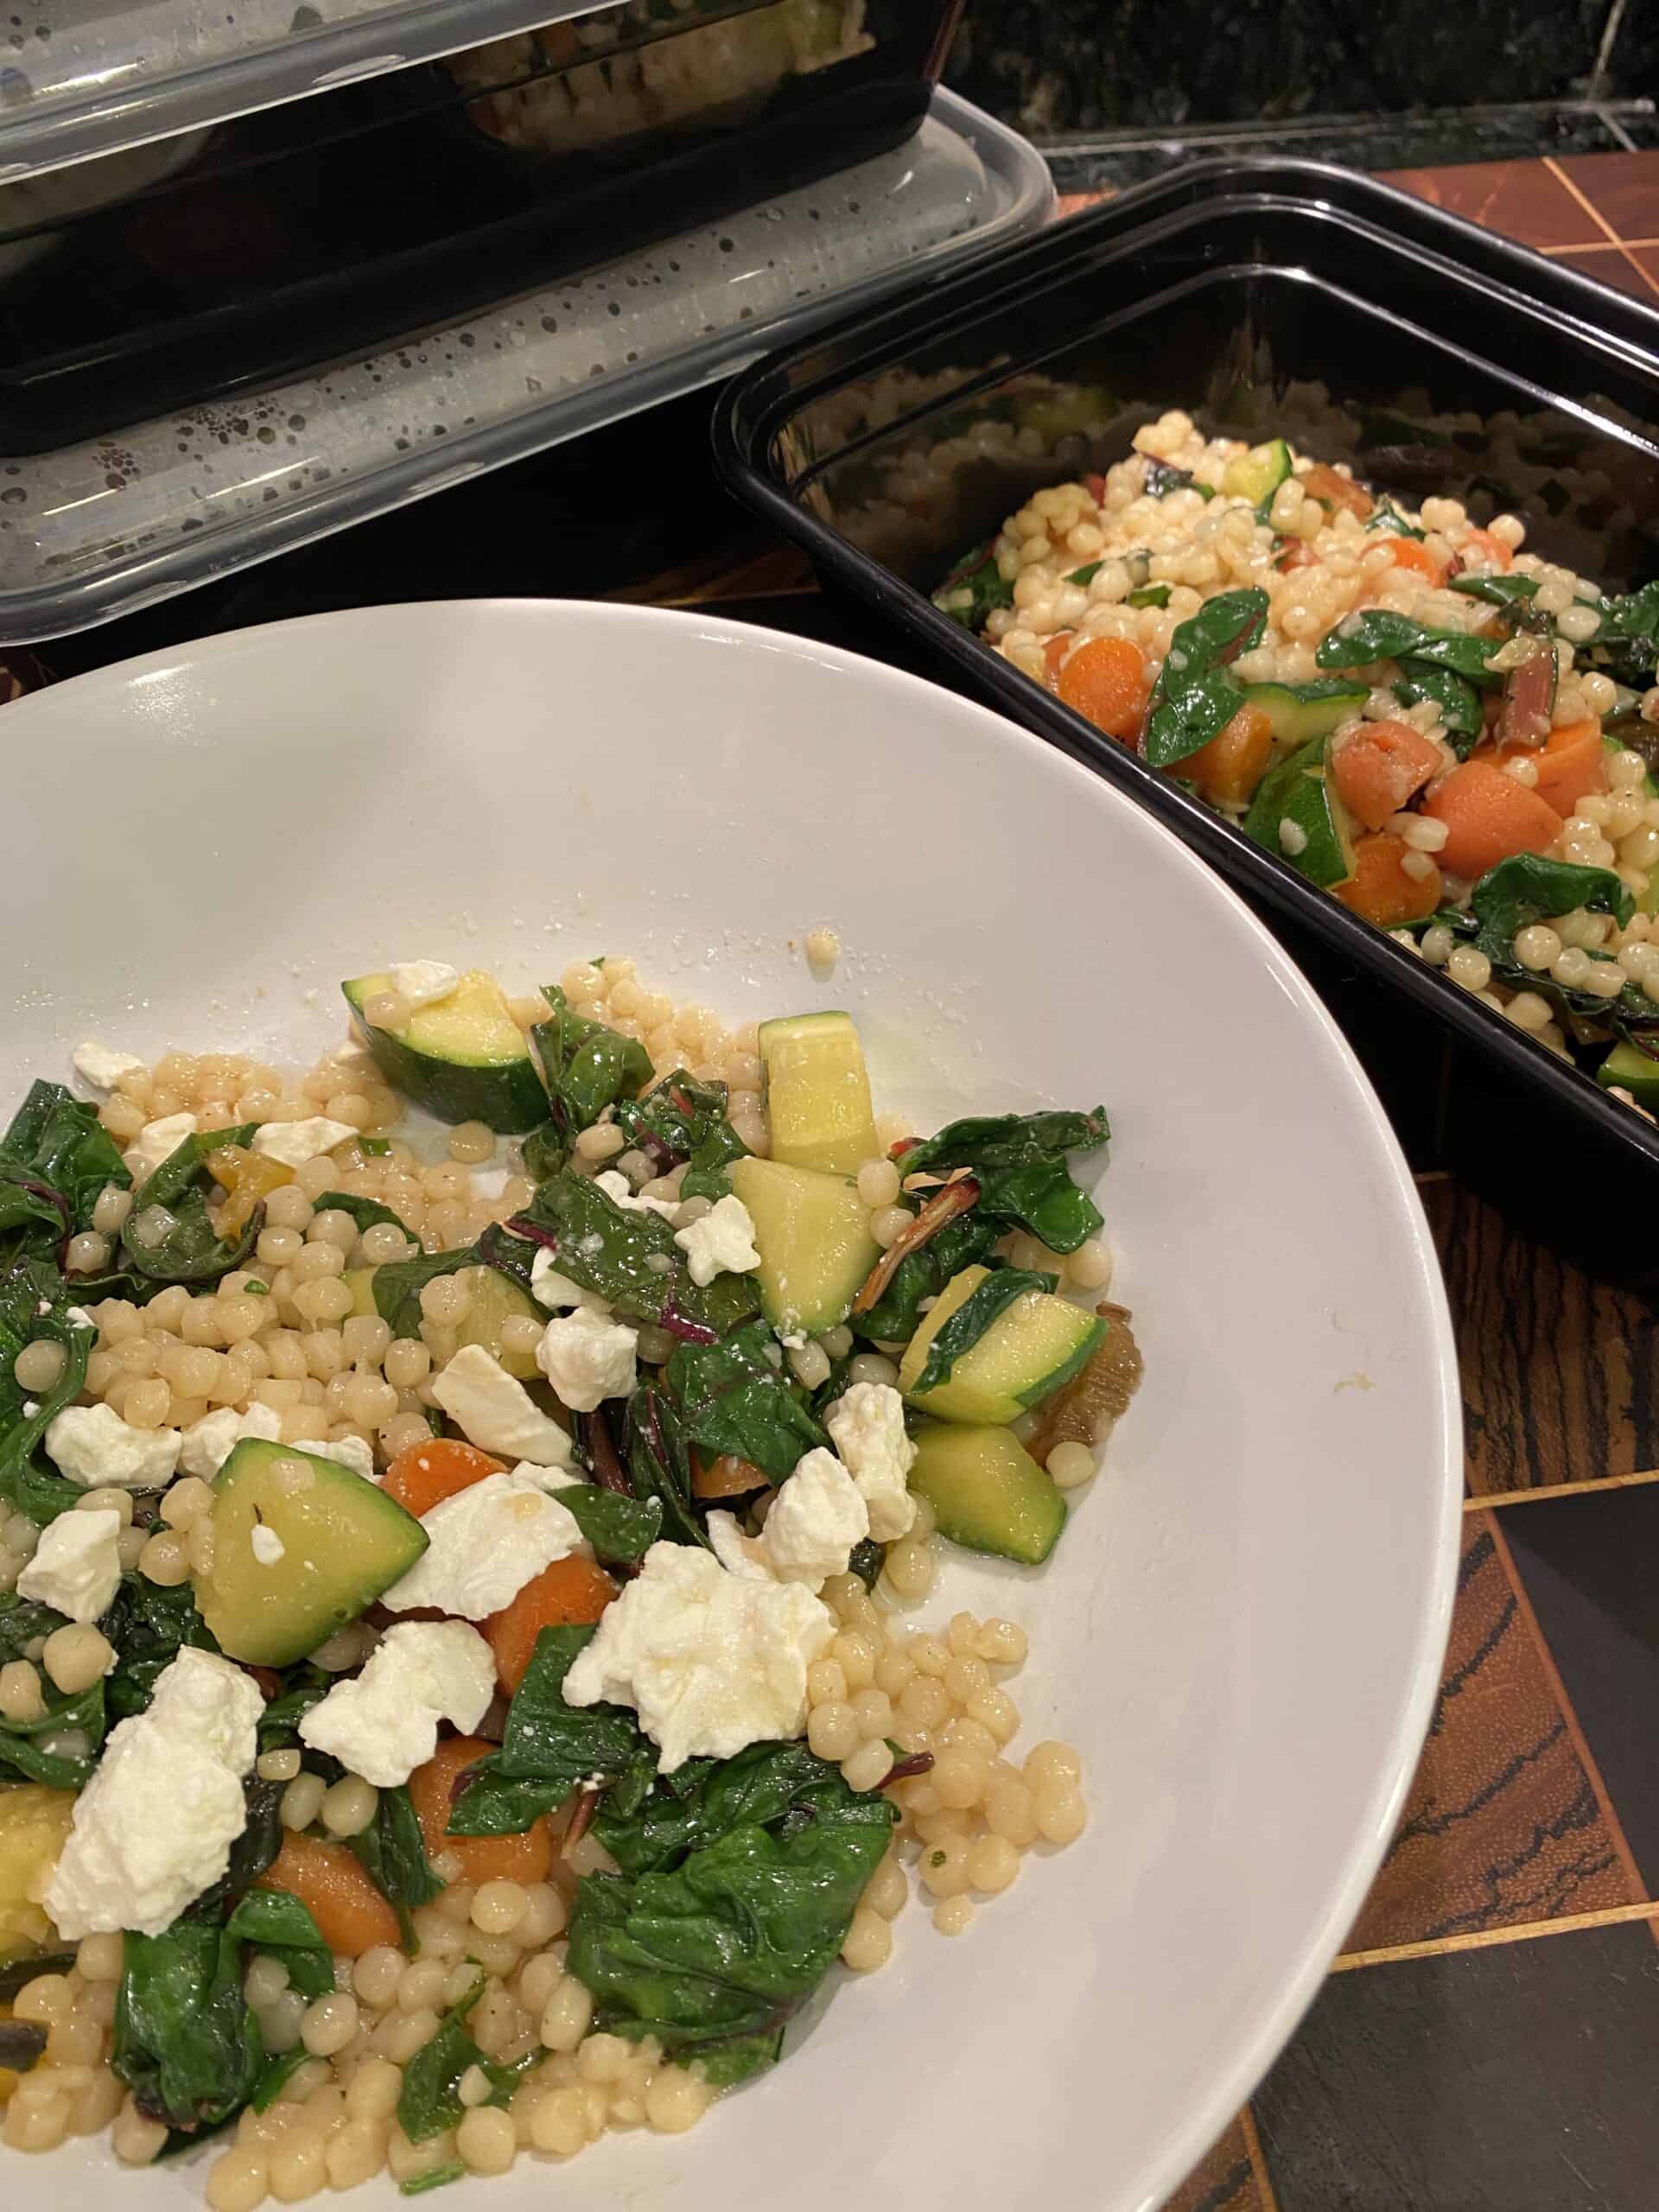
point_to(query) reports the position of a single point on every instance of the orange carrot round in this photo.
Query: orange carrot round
(1489, 817)
(1053, 653)
(1571, 763)
(1382, 889)
(571, 1593)
(1410, 553)
(329, 1880)
(1106, 681)
(525, 1857)
(1229, 768)
(1379, 766)
(425, 1474)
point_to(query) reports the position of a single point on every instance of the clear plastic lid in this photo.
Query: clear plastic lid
(102, 527)
(79, 78)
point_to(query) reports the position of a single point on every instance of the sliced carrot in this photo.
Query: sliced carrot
(1229, 768)
(1489, 817)
(1105, 680)
(1382, 889)
(1571, 762)
(1332, 489)
(725, 1476)
(1481, 550)
(425, 1474)
(1096, 487)
(1299, 554)
(1053, 653)
(1408, 553)
(567, 1594)
(1379, 766)
(525, 1857)
(329, 1880)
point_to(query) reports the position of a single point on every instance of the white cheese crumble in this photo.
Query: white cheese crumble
(208, 1443)
(77, 1565)
(721, 1242)
(710, 1660)
(103, 1069)
(424, 982)
(809, 1533)
(384, 1723)
(554, 1291)
(1292, 838)
(588, 1359)
(267, 1546)
(154, 1827)
(615, 1184)
(92, 1446)
(866, 1423)
(296, 1143)
(486, 1542)
(156, 1142)
(354, 1452)
(494, 1410)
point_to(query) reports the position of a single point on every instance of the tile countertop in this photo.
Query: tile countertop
(1489, 2040)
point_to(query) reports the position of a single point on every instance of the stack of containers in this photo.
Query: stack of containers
(263, 271)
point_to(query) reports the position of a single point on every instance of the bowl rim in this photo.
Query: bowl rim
(1271, 2023)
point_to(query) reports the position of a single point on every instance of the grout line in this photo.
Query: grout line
(1606, 245)
(1600, 68)
(1574, 1729)
(1263, 2180)
(1499, 1498)
(1600, 220)
(1484, 1939)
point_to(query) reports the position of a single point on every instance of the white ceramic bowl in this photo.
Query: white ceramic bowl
(1243, 1625)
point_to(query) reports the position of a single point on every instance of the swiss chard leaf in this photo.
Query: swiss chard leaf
(617, 1528)
(34, 1304)
(393, 1854)
(429, 2101)
(1376, 634)
(587, 1067)
(734, 1400)
(1503, 592)
(1162, 478)
(1454, 694)
(273, 1921)
(682, 1120)
(439, 2178)
(547, 1746)
(1529, 888)
(397, 1286)
(762, 1787)
(1627, 642)
(975, 589)
(965, 1241)
(192, 1249)
(303, 1686)
(30, 1749)
(186, 2042)
(1147, 595)
(146, 1625)
(54, 1158)
(657, 1456)
(1386, 516)
(367, 1213)
(1194, 698)
(629, 1256)
(1018, 1162)
(714, 1955)
(972, 1318)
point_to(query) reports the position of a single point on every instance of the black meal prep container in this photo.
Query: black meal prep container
(1367, 326)
(300, 233)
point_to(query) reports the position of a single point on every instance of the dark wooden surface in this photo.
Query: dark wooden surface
(1489, 2040)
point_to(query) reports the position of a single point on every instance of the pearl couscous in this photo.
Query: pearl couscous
(423, 1557)
(1453, 735)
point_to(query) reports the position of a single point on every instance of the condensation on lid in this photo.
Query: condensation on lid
(96, 530)
(80, 78)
